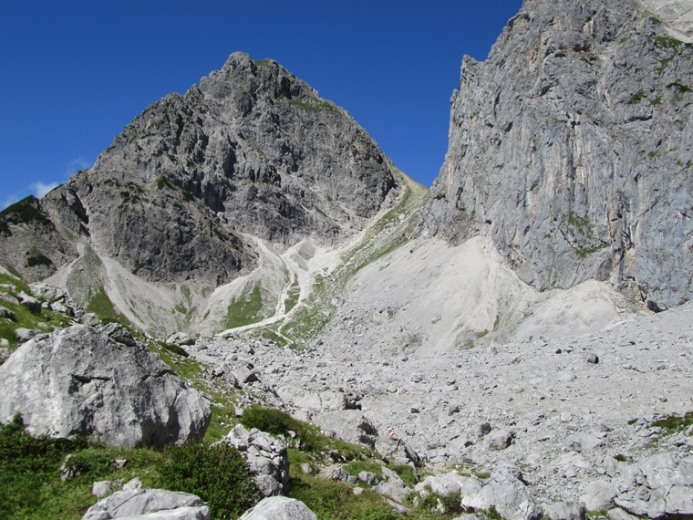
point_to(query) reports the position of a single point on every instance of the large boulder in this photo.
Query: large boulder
(134, 502)
(509, 495)
(267, 458)
(100, 383)
(449, 483)
(658, 486)
(279, 508)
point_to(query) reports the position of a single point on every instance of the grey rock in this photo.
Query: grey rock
(659, 485)
(47, 292)
(482, 430)
(565, 511)
(7, 314)
(568, 149)
(5, 297)
(279, 508)
(508, 495)
(599, 495)
(619, 514)
(149, 504)
(368, 477)
(339, 474)
(392, 486)
(180, 338)
(91, 319)
(266, 457)
(397, 507)
(105, 488)
(61, 308)
(30, 303)
(448, 483)
(246, 374)
(23, 334)
(593, 359)
(499, 440)
(80, 381)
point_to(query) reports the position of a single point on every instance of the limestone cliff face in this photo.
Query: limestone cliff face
(252, 149)
(572, 145)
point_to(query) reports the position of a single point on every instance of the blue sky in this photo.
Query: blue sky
(74, 73)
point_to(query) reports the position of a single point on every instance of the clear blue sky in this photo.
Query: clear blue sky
(74, 73)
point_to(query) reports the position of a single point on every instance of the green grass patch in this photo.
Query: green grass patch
(357, 466)
(667, 42)
(331, 500)
(301, 435)
(163, 182)
(222, 421)
(30, 487)
(292, 297)
(277, 422)
(406, 473)
(275, 337)
(314, 105)
(674, 423)
(493, 514)
(245, 310)
(35, 258)
(186, 367)
(636, 98)
(45, 322)
(584, 252)
(101, 305)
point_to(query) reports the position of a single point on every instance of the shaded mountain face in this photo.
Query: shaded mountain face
(252, 149)
(571, 147)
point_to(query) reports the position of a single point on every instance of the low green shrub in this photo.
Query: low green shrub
(27, 464)
(674, 423)
(218, 474)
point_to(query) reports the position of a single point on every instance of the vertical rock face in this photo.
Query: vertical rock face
(252, 149)
(571, 146)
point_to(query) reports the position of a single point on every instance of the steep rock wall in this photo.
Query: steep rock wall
(571, 147)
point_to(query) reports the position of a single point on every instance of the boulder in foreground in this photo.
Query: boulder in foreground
(100, 383)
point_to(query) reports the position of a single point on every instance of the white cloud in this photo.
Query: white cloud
(77, 164)
(41, 188)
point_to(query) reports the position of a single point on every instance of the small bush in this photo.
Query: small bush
(276, 422)
(674, 423)
(636, 98)
(406, 473)
(176, 349)
(26, 464)
(452, 503)
(217, 474)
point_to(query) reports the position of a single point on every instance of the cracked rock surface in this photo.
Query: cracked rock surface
(100, 383)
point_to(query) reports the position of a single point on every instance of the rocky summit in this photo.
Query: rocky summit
(252, 151)
(514, 342)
